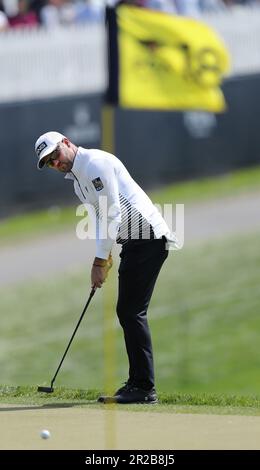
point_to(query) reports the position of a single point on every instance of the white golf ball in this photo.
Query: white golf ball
(45, 434)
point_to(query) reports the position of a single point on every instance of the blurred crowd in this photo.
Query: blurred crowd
(51, 13)
(48, 13)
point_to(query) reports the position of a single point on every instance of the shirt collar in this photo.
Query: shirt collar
(69, 176)
(78, 164)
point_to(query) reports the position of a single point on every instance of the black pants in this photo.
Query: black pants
(141, 261)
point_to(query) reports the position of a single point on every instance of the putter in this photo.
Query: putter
(50, 389)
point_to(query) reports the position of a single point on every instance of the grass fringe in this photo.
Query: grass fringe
(187, 399)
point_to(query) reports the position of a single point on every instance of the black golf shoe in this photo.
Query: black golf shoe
(127, 385)
(111, 399)
(131, 394)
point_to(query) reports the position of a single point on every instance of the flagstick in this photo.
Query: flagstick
(108, 145)
(108, 128)
(110, 359)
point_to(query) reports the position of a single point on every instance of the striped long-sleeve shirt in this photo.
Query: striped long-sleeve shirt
(122, 209)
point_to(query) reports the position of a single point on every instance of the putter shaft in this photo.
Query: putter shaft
(50, 389)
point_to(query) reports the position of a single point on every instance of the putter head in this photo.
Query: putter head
(45, 389)
(107, 400)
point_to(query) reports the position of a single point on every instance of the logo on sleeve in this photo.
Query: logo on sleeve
(40, 148)
(98, 184)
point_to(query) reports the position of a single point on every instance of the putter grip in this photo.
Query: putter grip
(93, 290)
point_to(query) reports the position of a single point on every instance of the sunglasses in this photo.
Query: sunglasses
(52, 157)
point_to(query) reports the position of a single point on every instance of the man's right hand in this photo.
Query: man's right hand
(98, 276)
(100, 270)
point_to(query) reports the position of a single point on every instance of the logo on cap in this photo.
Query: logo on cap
(40, 148)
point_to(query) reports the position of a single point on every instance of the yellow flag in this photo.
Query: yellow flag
(169, 62)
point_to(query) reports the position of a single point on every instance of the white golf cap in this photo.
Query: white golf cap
(46, 144)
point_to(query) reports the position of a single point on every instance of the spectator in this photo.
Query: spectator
(50, 13)
(229, 3)
(4, 24)
(86, 11)
(36, 6)
(10, 7)
(167, 6)
(212, 5)
(57, 12)
(188, 7)
(249, 2)
(24, 17)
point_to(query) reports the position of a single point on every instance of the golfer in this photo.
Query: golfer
(137, 225)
